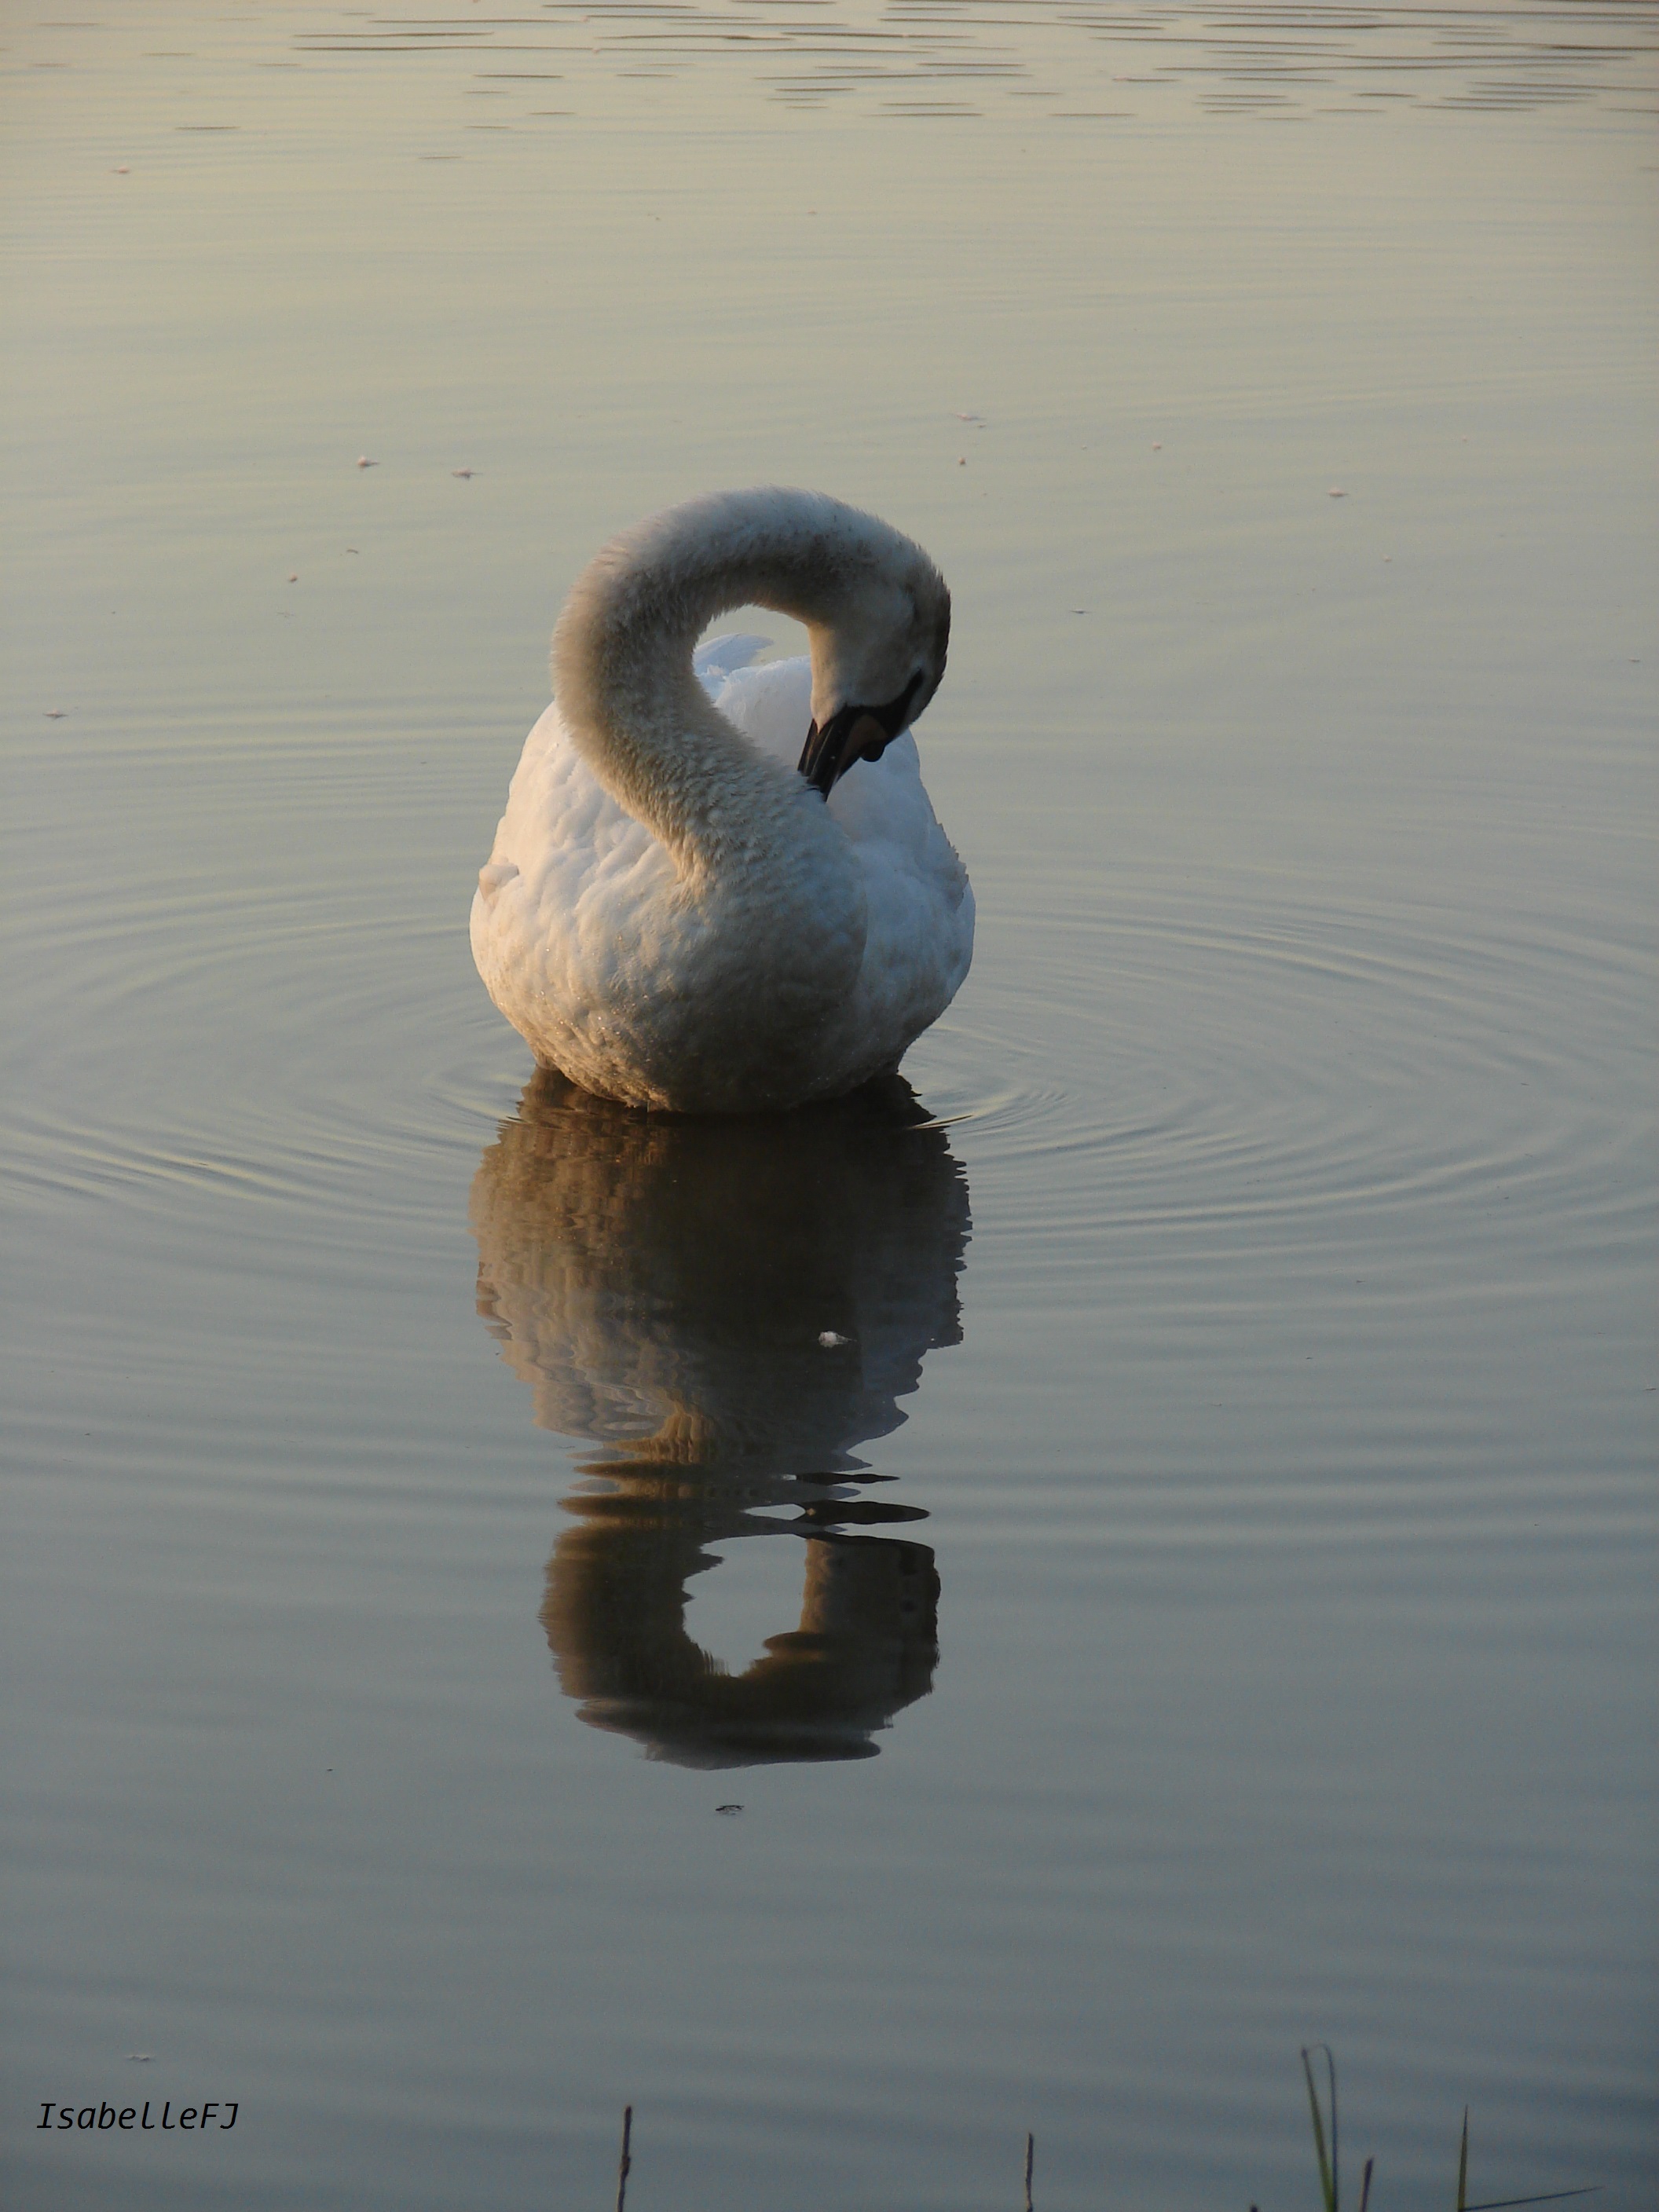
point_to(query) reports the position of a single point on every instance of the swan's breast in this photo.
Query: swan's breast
(615, 967)
(747, 990)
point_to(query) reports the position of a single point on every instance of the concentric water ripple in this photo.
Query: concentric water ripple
(1210, 1065)
(1292, 1070)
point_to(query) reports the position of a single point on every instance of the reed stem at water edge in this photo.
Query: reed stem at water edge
(624, 2161)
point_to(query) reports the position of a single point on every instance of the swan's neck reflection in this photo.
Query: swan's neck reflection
(865, 1643)
(731, 1308)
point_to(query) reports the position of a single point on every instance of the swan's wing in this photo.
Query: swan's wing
(885, 802)
(566, 861)
(882, 805)
(918, 906)
(716, 657)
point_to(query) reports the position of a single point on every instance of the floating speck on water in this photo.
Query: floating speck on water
(121, 170)
(351, 549)
(460, 472)
(729, 1808)
(1336, 492)
(1157, 445)
(294, 579)
(828, 1338)
(138, 2058)
(55, 714)
(364, 462)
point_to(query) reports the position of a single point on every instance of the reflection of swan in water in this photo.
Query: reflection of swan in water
(723, 907)
(666, 1287)
(865, 1644)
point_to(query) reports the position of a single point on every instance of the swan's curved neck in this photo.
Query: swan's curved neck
(623, 672)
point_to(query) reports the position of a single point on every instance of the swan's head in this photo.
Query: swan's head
(876, 609)
(878, 662)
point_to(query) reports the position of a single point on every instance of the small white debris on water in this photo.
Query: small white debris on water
(460, 472)
(122, 171)
(54, 714)
(1157, 445)
(1336, 492)
(828, 1339)
(363, 462)
(294, 579)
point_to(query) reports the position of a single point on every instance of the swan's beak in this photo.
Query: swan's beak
(853, 733)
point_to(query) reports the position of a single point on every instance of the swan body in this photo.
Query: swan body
(685, 910)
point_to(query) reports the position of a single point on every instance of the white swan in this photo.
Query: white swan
(687, 908)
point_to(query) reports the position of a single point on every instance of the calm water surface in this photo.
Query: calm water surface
(1203, 1603)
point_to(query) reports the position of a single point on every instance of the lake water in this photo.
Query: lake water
(1206, 1605)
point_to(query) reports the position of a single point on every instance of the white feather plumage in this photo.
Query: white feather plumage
(671, 914)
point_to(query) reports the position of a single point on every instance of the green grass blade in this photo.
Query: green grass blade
(1327, 2167)
(1463, 2166)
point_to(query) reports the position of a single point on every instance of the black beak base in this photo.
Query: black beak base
(853, 733)
(828, 752)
